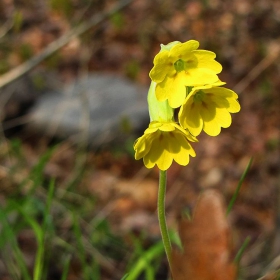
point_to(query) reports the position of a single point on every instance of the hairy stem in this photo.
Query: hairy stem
(161, 214)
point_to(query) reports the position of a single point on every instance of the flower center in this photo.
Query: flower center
(198, 97)
(179, 65)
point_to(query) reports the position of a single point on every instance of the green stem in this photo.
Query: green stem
(161, 214)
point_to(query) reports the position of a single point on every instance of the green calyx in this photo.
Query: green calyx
(198, 97)
(180, 65)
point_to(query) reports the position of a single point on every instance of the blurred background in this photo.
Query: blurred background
(74, 202)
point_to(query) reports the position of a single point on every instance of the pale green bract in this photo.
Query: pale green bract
(168, 46)
(158, 110)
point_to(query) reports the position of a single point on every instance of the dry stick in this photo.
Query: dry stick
(6, 27)
(56, 45)
(258, 69)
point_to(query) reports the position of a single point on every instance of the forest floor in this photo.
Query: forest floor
(113, 194)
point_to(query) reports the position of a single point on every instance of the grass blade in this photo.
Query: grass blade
(241, 250)
(7, 235)
(141, 265)
(233, 199)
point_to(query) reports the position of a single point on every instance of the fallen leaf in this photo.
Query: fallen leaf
(206, 243)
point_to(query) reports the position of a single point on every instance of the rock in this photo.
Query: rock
(101, 107)
(18, 96)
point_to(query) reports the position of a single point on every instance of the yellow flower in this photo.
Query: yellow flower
(179, 65)
(208, 108)
(161, 143)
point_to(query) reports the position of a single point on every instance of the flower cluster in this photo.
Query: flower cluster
(186, 78)
(162, 142)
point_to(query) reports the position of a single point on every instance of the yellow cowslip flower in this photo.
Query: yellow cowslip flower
(178, 65)
(161, 143)
(208, 108)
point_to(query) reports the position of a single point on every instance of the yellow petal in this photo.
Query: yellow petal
(161, 93)
(166, 157)
(224, 92)
(185, 133)
(224, 97)
(190, 60)
(212, 128)
(189, 116)
(167, 127)
(223, 117)
(182, 48)
(139, 144)
(209, 86)
(172, 89)
(162, 66)
(207, 110)
(208, 113)
(182, 157)
(234, 105)
(173, 146)
(210, 124)
(159, 154)
(199, 76)
(147, 162)
(205, 59)
(221, 102)
(143, 144)
(151, 129)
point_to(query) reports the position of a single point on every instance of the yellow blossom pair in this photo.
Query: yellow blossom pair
(183, 77)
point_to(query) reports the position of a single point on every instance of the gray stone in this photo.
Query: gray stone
(101, 108)
(17, 97)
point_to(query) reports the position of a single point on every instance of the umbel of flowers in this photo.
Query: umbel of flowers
(186, 78)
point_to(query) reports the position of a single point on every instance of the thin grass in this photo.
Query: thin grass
(32, 207)
(144, 263)
(235, 195)
(8, 238)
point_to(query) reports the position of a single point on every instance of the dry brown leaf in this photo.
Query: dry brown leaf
(206, 243)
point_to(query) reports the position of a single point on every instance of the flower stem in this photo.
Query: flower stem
(161, 214)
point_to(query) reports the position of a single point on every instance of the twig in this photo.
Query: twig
(273, 53)
(6, 27)
(56, 45)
